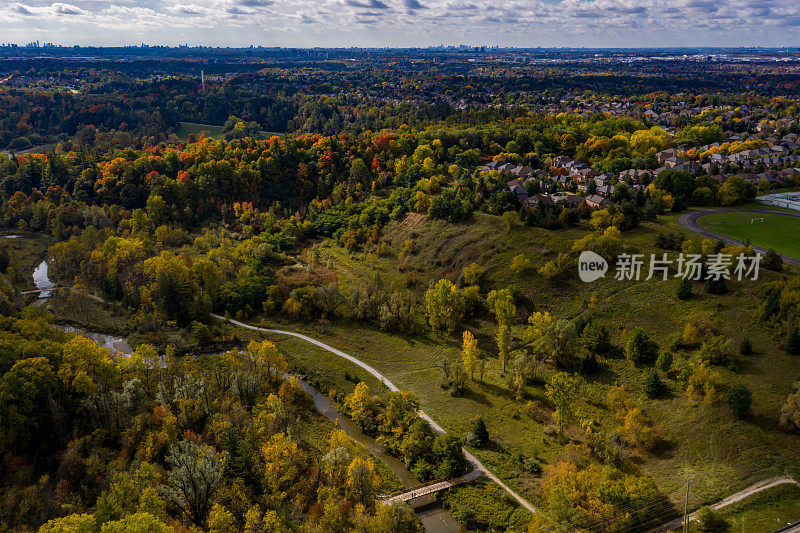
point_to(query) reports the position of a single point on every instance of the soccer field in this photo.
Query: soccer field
(779, 232)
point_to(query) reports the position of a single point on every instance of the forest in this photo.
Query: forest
(330, 207)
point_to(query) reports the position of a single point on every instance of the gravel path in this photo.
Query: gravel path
(477, 466)
(733, 498)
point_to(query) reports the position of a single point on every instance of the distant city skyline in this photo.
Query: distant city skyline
(404, 23)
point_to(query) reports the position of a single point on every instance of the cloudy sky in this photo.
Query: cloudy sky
(522, 23)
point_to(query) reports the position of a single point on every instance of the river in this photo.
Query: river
(41, 280)
(434, 518)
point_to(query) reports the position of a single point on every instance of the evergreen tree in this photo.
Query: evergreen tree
(480, 434)
(653, 386)
(684, 290)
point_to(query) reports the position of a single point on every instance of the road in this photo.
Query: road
(733, 498)
(477, 467)
(689, 221)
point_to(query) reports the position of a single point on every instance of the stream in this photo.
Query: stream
(434, 518)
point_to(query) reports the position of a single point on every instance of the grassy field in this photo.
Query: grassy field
(763, 512)
(778, 232)
(210, 130)
(704, 444)
(187, 128)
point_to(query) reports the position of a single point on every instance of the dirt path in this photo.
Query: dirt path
(477, 466)
(689, 221)
(733, 498)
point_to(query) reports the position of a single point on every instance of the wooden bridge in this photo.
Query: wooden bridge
(425, 494)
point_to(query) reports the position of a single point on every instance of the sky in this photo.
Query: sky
(377, 23)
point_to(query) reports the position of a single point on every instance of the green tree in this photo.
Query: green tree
(23, 394)
(664, 361)
(639, 348)
(653, 386)
(503, 339)
(562, 390)
(596, 338)
(739, 399)
(684, 289)
(362, 481)
(480, 435)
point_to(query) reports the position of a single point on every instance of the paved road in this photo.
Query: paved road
(689, 221)
(733, 498)
(477, 467)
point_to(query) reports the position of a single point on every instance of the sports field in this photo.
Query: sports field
(779, 232)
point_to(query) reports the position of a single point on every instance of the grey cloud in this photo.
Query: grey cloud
(413, 5)
(367, 4)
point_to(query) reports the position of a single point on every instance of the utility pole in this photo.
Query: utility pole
(686, 510)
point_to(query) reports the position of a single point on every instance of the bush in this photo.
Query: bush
(711, 520)
(532, 466)
(653, 386)
(716, 286)
(746, 347)
(772, 261)
(684, 290)
(639, 347)
(718, 350)
(739, 399)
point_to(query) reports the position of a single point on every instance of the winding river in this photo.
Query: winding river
(434, 518)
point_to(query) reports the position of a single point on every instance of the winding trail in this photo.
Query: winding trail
(478, 468)
(689, 221)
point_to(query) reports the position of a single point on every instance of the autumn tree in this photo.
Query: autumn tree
(196, 471)
(470, 354)
(444, 306)
(362, 408)
(362, 481)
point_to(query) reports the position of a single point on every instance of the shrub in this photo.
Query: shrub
(716, 286)
(772, 261)
(639, 347)
(684, 290)
(739, 399)
(711, 520)
(718, 350)
(746, 347)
